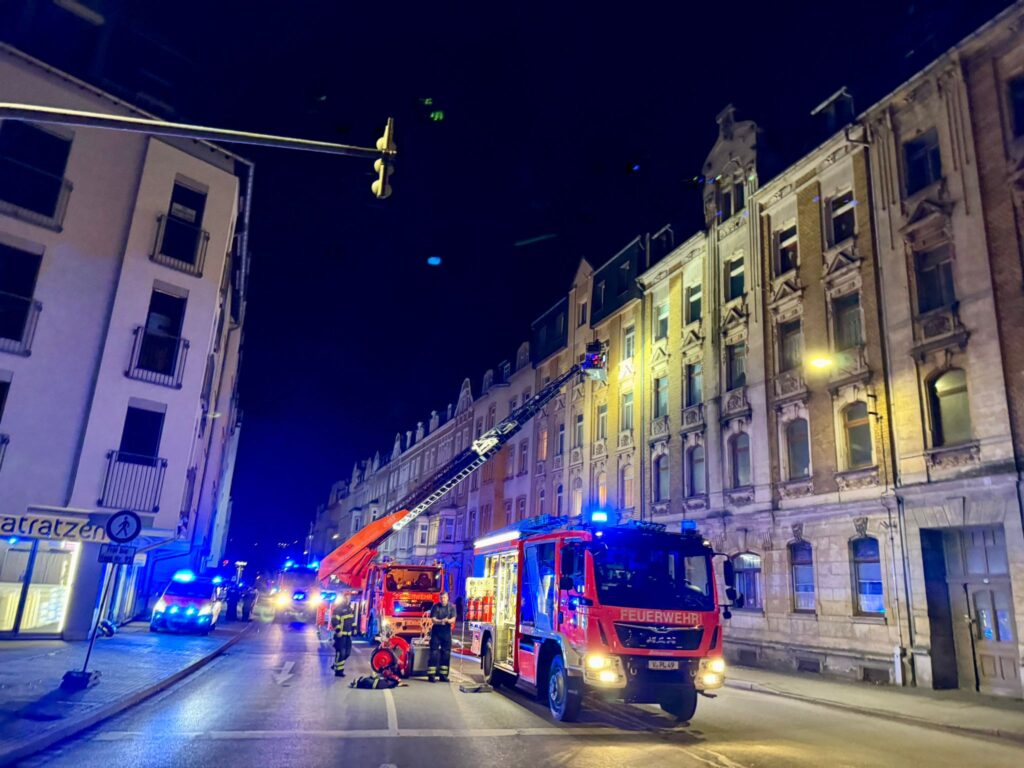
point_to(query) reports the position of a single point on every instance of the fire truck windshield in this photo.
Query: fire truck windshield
(399, 579)
(652, 570)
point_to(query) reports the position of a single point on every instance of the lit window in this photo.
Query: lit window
(626, 486)
(858, 435)
(748, 580)
(602, 489)
(577, 496)
(867, 576)
(739, 450)
(951, 416)
(798, 449)
(559, 500)
(786, 248)
(922, 161)
(801, 563)
(542, 448)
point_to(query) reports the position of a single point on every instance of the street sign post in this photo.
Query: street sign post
(123, 526)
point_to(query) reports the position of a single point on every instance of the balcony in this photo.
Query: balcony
(557, 461)
(693, 417)
(851, 367)
(790, 384)
(625, 439)
(157, 358)
(735, 403)
(18, 318)
(180, 245)
(185, 516)
(32, 195)
(4, 440)
(576, 456)
(600, 447)
(659, 428)
(133, 482)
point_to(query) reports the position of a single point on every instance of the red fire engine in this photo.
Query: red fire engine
(628, 612)
(398, 598)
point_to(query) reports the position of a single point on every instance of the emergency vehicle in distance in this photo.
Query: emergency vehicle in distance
(297, 595)
(397, 598)
(628, 612)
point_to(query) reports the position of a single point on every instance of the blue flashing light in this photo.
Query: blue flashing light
(190, 611)
(688, 525)
(434, 261)
(599, 516)
(173, 609)
(13, 540)
(184, 577)
(636, 167)
(218, 579)
(330, 597)
(315, 564)
(299, 596)
(289, 563)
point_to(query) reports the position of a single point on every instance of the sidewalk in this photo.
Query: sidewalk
(135, 664)
(955, 710)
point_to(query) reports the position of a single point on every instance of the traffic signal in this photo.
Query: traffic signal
(383, 164)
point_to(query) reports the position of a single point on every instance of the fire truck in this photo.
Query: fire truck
(625, 611)
(398, 598)
(353, 562)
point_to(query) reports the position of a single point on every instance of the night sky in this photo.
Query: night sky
(582, 123)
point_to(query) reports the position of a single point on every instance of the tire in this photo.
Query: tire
(565, 699)
(371, 628)
(493, 677)
(680, 703)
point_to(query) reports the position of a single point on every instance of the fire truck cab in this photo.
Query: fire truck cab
(627, 612)
(398, 598)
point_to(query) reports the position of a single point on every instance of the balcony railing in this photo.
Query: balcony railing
(185, 516)
(157, 358)
(180, 245)
(133, 482)
(4, 440)
(18, 318)
(33, 195)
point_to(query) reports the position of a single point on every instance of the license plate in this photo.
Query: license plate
(654, 664)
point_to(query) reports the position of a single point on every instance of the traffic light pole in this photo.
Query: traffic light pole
(64, 116)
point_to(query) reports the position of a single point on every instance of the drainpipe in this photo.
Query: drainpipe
(641, 431)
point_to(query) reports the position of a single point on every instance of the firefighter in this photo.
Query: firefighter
(343, 622)
(442, 617)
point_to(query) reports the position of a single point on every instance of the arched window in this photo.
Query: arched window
(560, 500)
(602, 489)
(540, 502)
(661, 478)
(867, 576)
(577, 496)
(739, 449)
(858, 436)
(951, 416)
(696, 476)
(626, 487)
(748, 579)
(801, 565)
(798, 449)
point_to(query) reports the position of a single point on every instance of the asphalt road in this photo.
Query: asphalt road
(273, 701)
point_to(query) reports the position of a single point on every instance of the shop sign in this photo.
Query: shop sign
(52, 527)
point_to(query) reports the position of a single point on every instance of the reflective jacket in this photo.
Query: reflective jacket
(343, 620)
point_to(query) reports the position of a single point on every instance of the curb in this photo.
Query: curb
(746, 685)
(77, 725)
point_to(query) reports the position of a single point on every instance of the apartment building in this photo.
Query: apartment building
(122, 278)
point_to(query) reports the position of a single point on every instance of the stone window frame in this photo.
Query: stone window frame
(778, 228)
(841, 402)
(694, 441)
(694, 358)
(855, 576)
(749, 605)
(828, 216)
(929, 373)
(626, 463)
(734, 428)
(660, 457)
(786, 415)
(727, 269)
(599, 473)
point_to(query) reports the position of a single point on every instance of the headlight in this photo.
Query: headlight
(607, 676)
(385, 622)
(282, 600)
(598, 661)
(206, 609)
(710, 679)
(717, 666)
(161, 606)
(316, 599)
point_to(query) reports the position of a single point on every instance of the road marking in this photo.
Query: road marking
(389, 703)
(285, 673)
(717, 760)
(379, 733)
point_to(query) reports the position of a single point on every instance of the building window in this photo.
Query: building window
(561, 440)
(696, 484)
(748, 580)
(786, 250)
(577, 497)
(846, 317)
(521, 508)
(661, 488)
(577, 436)
(542, 448)
(582, 313)
(730, 199)
(801, 564)
(693, 301)
(629, 343)
(694, 384)
(511, 406)
(934, 279)
(140, 437)
(951, 416)
(540, 501)
(858, 435)
(508, 513)
(661, 320)
(424, 530)
(182, 239)
(842, 219)
(18, 272)
(524, 457)
(492, 414)
(626, 486)
(599, 296)
(790, 345)
(5, 388)
(660, 396)
(798, 451)
(601, 489)
(867, 576)
(736, 365)
(625, 281)
(32, 165)
(1016, 93)
(560, 500)
(626, 412)
(922, 161)
(739, 454)
(734, 284)
(602, 421)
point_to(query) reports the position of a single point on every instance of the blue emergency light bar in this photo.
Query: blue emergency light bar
(688, 526)
(599, 516)
(218, 579)
(184, 577)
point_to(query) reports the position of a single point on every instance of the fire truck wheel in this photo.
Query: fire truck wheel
(371, 628)
(681, 703)
(493, 677)
(564, 695)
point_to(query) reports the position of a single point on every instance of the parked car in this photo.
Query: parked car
(188, 604)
